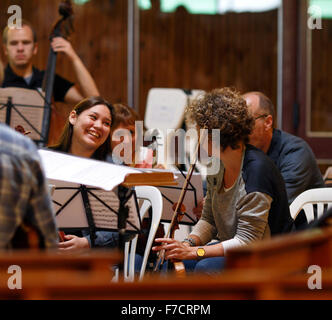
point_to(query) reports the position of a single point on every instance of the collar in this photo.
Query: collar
(274, 148)
(10, 75)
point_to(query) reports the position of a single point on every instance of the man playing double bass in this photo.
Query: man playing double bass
(20, 46)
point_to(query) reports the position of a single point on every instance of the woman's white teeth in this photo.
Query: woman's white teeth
(95, 134)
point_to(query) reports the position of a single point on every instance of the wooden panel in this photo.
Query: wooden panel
(183, 50)
(321, 82)
(99, 39)
(178, 49)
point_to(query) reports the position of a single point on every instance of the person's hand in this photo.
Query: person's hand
(159, 166)
(199, 209)
(175, 249)
(60, 44)
(73, 243)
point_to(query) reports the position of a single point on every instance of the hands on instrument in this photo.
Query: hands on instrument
(198, 210)
(20, 129)
(60, 44)
(73, 243)
(175, 249)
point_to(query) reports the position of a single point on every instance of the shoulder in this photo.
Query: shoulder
(15, 144)
(294, 143)
(256, 161)
(259, 172)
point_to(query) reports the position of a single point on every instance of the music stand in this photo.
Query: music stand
(78, 172)
(27, 108)
(79, 207)
(194, 195)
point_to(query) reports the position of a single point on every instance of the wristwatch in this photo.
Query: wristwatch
(200, 253)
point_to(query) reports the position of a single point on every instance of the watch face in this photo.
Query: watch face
(200, 252)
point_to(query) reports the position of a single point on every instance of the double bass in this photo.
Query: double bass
(62, 28)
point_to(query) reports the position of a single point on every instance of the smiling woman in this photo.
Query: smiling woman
(87, 131)
(87, 134)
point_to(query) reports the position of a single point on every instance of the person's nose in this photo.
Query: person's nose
(20, 47)
(98, 124)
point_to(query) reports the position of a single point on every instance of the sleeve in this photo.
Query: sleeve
(41, 205)
(253, 212)
(103, 238)
(205, 228)
(297, 165)
(60, 88)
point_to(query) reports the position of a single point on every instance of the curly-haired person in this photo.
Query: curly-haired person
(246, 200)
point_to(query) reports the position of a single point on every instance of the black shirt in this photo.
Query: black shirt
(61, 85)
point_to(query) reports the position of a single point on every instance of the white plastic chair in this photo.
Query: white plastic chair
(152, 198)
(328, 177)
(322, 197)
(165, 110)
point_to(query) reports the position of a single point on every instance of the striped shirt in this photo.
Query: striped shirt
(24, 194)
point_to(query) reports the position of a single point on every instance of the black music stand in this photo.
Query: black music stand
(26, 108)
(95, 205)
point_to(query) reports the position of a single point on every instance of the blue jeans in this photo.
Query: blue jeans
(209, 266)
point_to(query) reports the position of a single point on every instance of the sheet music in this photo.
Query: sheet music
(72, 215)
(102, 216)
(172, 194)
(29, 104)
(100, 174)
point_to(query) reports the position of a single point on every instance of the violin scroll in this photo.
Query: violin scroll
(20, 129)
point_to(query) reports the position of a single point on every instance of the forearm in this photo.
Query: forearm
(204, 231)
(215, 250)
(84, 79)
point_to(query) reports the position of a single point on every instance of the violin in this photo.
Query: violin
(20, 129)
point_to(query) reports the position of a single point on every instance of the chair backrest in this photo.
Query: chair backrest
(328, 177)
(321, 197)
(152, 198)
(164, 112)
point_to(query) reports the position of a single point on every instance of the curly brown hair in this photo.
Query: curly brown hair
(226, 110)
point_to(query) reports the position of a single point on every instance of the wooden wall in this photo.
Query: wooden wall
(321, 80)
(208, 51)
(176, 49)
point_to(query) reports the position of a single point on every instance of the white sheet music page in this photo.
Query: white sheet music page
(100, 174)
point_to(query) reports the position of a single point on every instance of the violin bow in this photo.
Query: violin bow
(176, 213)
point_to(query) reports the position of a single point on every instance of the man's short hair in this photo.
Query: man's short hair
(266, 104)
(24, 23)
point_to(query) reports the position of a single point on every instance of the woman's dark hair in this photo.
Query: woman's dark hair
(67, 133)
(124, 115)
(226, 110)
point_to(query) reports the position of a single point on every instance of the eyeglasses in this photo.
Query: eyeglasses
(261, 116)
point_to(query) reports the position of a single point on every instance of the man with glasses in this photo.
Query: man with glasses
(291, 154)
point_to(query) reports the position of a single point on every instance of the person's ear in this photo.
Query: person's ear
(35, 48)
(72, 117)
(5, 51)
(268, 123)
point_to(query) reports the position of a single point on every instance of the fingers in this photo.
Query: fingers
(165, 240)
(60, 44)
(164, 243)
(68, 243)
(168, 245)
